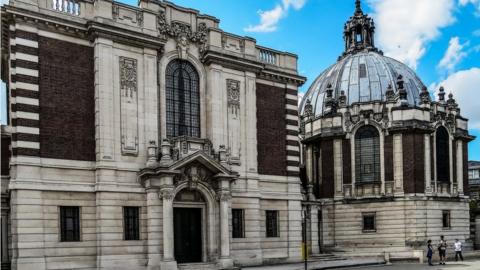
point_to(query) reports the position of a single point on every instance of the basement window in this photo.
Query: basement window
(446, 219)
(369, 222)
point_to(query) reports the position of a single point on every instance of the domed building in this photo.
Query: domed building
(385, 166)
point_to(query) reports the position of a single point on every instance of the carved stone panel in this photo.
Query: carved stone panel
(233, 101)
(129, 106)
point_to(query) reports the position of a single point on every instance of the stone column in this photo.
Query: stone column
(398, 163)
(338, 167)
(167, 196)
(154, 232)
(225, 262)
(428, 165)
(460, 167)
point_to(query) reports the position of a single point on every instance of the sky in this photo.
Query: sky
(439, 39)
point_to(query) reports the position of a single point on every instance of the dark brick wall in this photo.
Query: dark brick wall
(413, 163)
(6, 154)
(388, 156)
(465, 168)
(67, 120)
(271, 130)
(347, 162)
(327, 188)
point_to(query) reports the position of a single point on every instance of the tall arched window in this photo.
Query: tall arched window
(183, 99)
(443, 155)
(367, 154)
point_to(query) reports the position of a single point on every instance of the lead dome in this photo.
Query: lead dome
(362, 74)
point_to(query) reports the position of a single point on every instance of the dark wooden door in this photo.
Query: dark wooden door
(187, 234)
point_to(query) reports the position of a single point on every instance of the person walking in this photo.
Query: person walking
(429, 252)
(458, 250)
(442, 249)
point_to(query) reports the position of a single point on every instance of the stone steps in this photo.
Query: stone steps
(325, 257)
(197, 266)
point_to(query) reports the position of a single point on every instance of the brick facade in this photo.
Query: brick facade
(67, 126)
(388, 157)
(413, 163)
(5, 154)
(327, 181)
(271, 147)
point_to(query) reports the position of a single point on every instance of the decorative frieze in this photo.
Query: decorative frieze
(233, 102)
(182, 32)
(129, 106)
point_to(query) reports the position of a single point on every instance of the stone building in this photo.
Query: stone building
(385, 165)
(474, 186)
(145, 138)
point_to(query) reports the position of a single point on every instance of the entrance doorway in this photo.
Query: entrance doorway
(187, 234)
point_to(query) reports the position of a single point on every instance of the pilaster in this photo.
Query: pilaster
(398, 164)
(460, 167)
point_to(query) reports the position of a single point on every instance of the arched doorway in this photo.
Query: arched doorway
(189, 219)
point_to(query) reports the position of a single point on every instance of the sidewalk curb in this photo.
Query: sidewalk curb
(351, 266)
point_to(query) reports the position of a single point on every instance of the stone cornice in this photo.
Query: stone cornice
(124, 36)
(230, 61)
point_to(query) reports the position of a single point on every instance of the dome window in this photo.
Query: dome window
(367, 155)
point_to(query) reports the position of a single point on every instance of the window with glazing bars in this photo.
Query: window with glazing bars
(443, 156)
(131, 226)
(367, 154)
(182, 99)
(238, 230)
(271, 223)
(69, 223)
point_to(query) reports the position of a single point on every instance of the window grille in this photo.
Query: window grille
(272, 223)
(69, 223)
(131, 228)
(182, 99)
(369, 222)
(367, 154)
(238, 230)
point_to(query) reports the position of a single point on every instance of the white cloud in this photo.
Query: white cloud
(406, 27)
(269, 19)
(464, 87)
(473, 2)
(300, 97)
(453, 55)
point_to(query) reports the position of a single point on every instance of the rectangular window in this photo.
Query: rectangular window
(272, 223)
(69, 223)
(131, 227)
(238, 229)
(369, 222)
(446, 219)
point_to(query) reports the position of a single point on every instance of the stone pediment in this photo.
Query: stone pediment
(199, 157)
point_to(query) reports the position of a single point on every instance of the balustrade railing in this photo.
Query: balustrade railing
(71, 7)
(267, 56)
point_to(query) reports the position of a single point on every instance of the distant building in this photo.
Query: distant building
(474, 185)
(385, 164)
(474, 179)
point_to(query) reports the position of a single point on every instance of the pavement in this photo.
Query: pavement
(323, 264)
(465, 265)
(472, 262)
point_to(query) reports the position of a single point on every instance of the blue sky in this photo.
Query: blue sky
(440, 39)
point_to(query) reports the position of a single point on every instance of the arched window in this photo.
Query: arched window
(367, 154)
(183, 99)
(443, 156)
